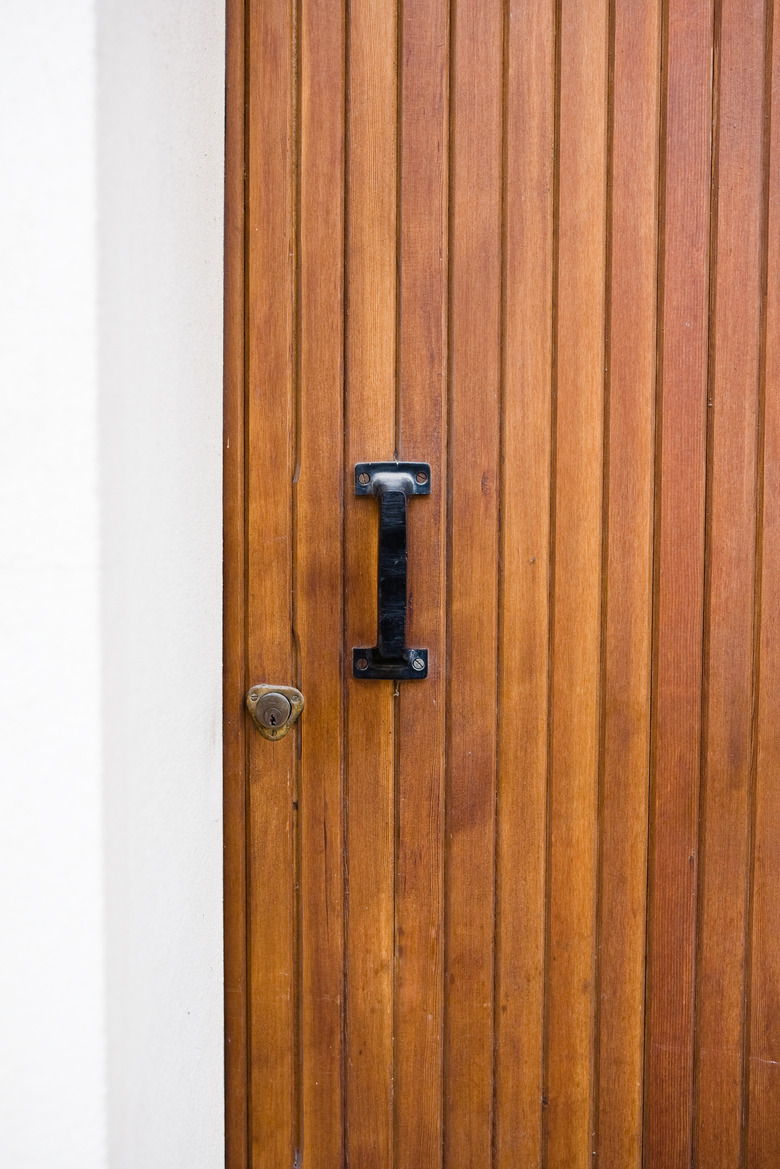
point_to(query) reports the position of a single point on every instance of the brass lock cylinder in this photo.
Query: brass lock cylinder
(274, 709)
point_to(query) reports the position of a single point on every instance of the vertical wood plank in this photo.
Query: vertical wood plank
(422, 413)
(577, 569)
(319, 569)
(679, 581)
(627, 622)
(733, 401)
(370, 435)
(475, 363)
(524, 591)
(763, 1074)
(270, 280)
(234, 612)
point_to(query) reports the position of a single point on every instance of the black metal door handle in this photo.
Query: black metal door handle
(392, 484)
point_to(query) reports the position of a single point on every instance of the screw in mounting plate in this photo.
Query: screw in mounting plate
(364, 478)
(362, 664)
(418, 664)
(421, 477)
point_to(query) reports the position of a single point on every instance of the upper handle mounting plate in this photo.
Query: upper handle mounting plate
(371, 478)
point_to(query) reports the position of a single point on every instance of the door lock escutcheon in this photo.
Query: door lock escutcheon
(274, 709)
(391, 484)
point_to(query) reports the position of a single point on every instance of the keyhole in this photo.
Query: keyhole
(272, 711)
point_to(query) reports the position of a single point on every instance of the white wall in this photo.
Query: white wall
(52, 1081)
(160, 146)
(111, 121)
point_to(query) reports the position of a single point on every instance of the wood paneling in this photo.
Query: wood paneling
(269, 440)
(732, 403)
(627, 599)
(681, 432)
(523, 912)
(318, 526)
(234, 603)
(576, 572)
(369, 433)
(475, 360)
(762, 1063)
(422, 434)
(524, 583)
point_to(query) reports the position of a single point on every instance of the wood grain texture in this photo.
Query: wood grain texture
(524, 587)
(577, 584)
(270, 282)
(627, 619)
(733, 402)
(319, 571)
(369, 436)
(763, 1071)
(474, 480)
(679, 580)
(523, 912)
(234, 609)
(422, 413)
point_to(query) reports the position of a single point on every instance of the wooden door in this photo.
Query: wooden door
(524, 911)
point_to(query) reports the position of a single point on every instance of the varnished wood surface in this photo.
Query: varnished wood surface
(475, 359)
(523, 913)
(678, 601)
(318, 577)
(269, 442)
(370, 353)
(761, 1062)
(524, 597)
(422, 410)
(576, 506)
(630, 362)
(727, 749)
(234, 607)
